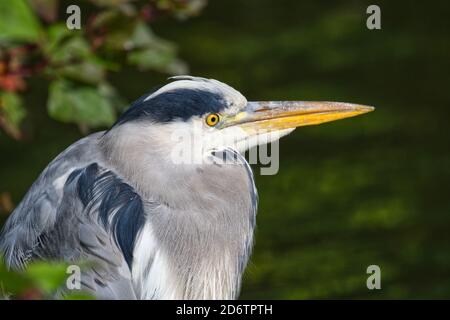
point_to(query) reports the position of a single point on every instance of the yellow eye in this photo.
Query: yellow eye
(212, 119)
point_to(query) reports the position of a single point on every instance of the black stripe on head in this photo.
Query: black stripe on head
(174, 104)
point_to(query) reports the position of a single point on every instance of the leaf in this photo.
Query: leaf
(116, 100)
(56, 33)
(83, 104)
(12, 282)
(73, 59)
(18, 22)
(119, 26)
(153, 59)
(87, 72)
(12, 113)
(153, 52)
(11, 105)
(78, 296)
(47, 276)
(143, 36)
(73, 48)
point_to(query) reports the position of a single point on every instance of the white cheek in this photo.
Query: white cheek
(242, 140)
(264, 138)
(225, 138)
(196, 139)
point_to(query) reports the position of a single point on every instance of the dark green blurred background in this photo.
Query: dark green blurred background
(362, 191)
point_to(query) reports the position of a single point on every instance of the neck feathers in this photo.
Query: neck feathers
(199, 222)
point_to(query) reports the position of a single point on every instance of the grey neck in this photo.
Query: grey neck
(200, 220)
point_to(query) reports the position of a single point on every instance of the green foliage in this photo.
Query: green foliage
(86, 105)
(154, 53)
(72, 57)
(40, 280)
(48, 277)
(12, 112)
(18, 22)
(35, 42)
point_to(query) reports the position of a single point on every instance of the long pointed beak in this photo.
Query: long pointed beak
(279, 115)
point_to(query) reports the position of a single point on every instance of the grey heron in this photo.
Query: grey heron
(153, 228)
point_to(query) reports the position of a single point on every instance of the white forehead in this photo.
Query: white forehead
(233, 97)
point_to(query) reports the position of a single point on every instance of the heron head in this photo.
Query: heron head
(212, 115)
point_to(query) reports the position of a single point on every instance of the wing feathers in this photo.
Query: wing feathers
(96, 218)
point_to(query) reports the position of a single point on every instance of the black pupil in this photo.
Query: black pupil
(213, 119)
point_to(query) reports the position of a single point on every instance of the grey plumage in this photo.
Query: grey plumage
(155, 225)
(94, 200)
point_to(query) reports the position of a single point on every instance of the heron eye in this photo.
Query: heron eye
(212, 119)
